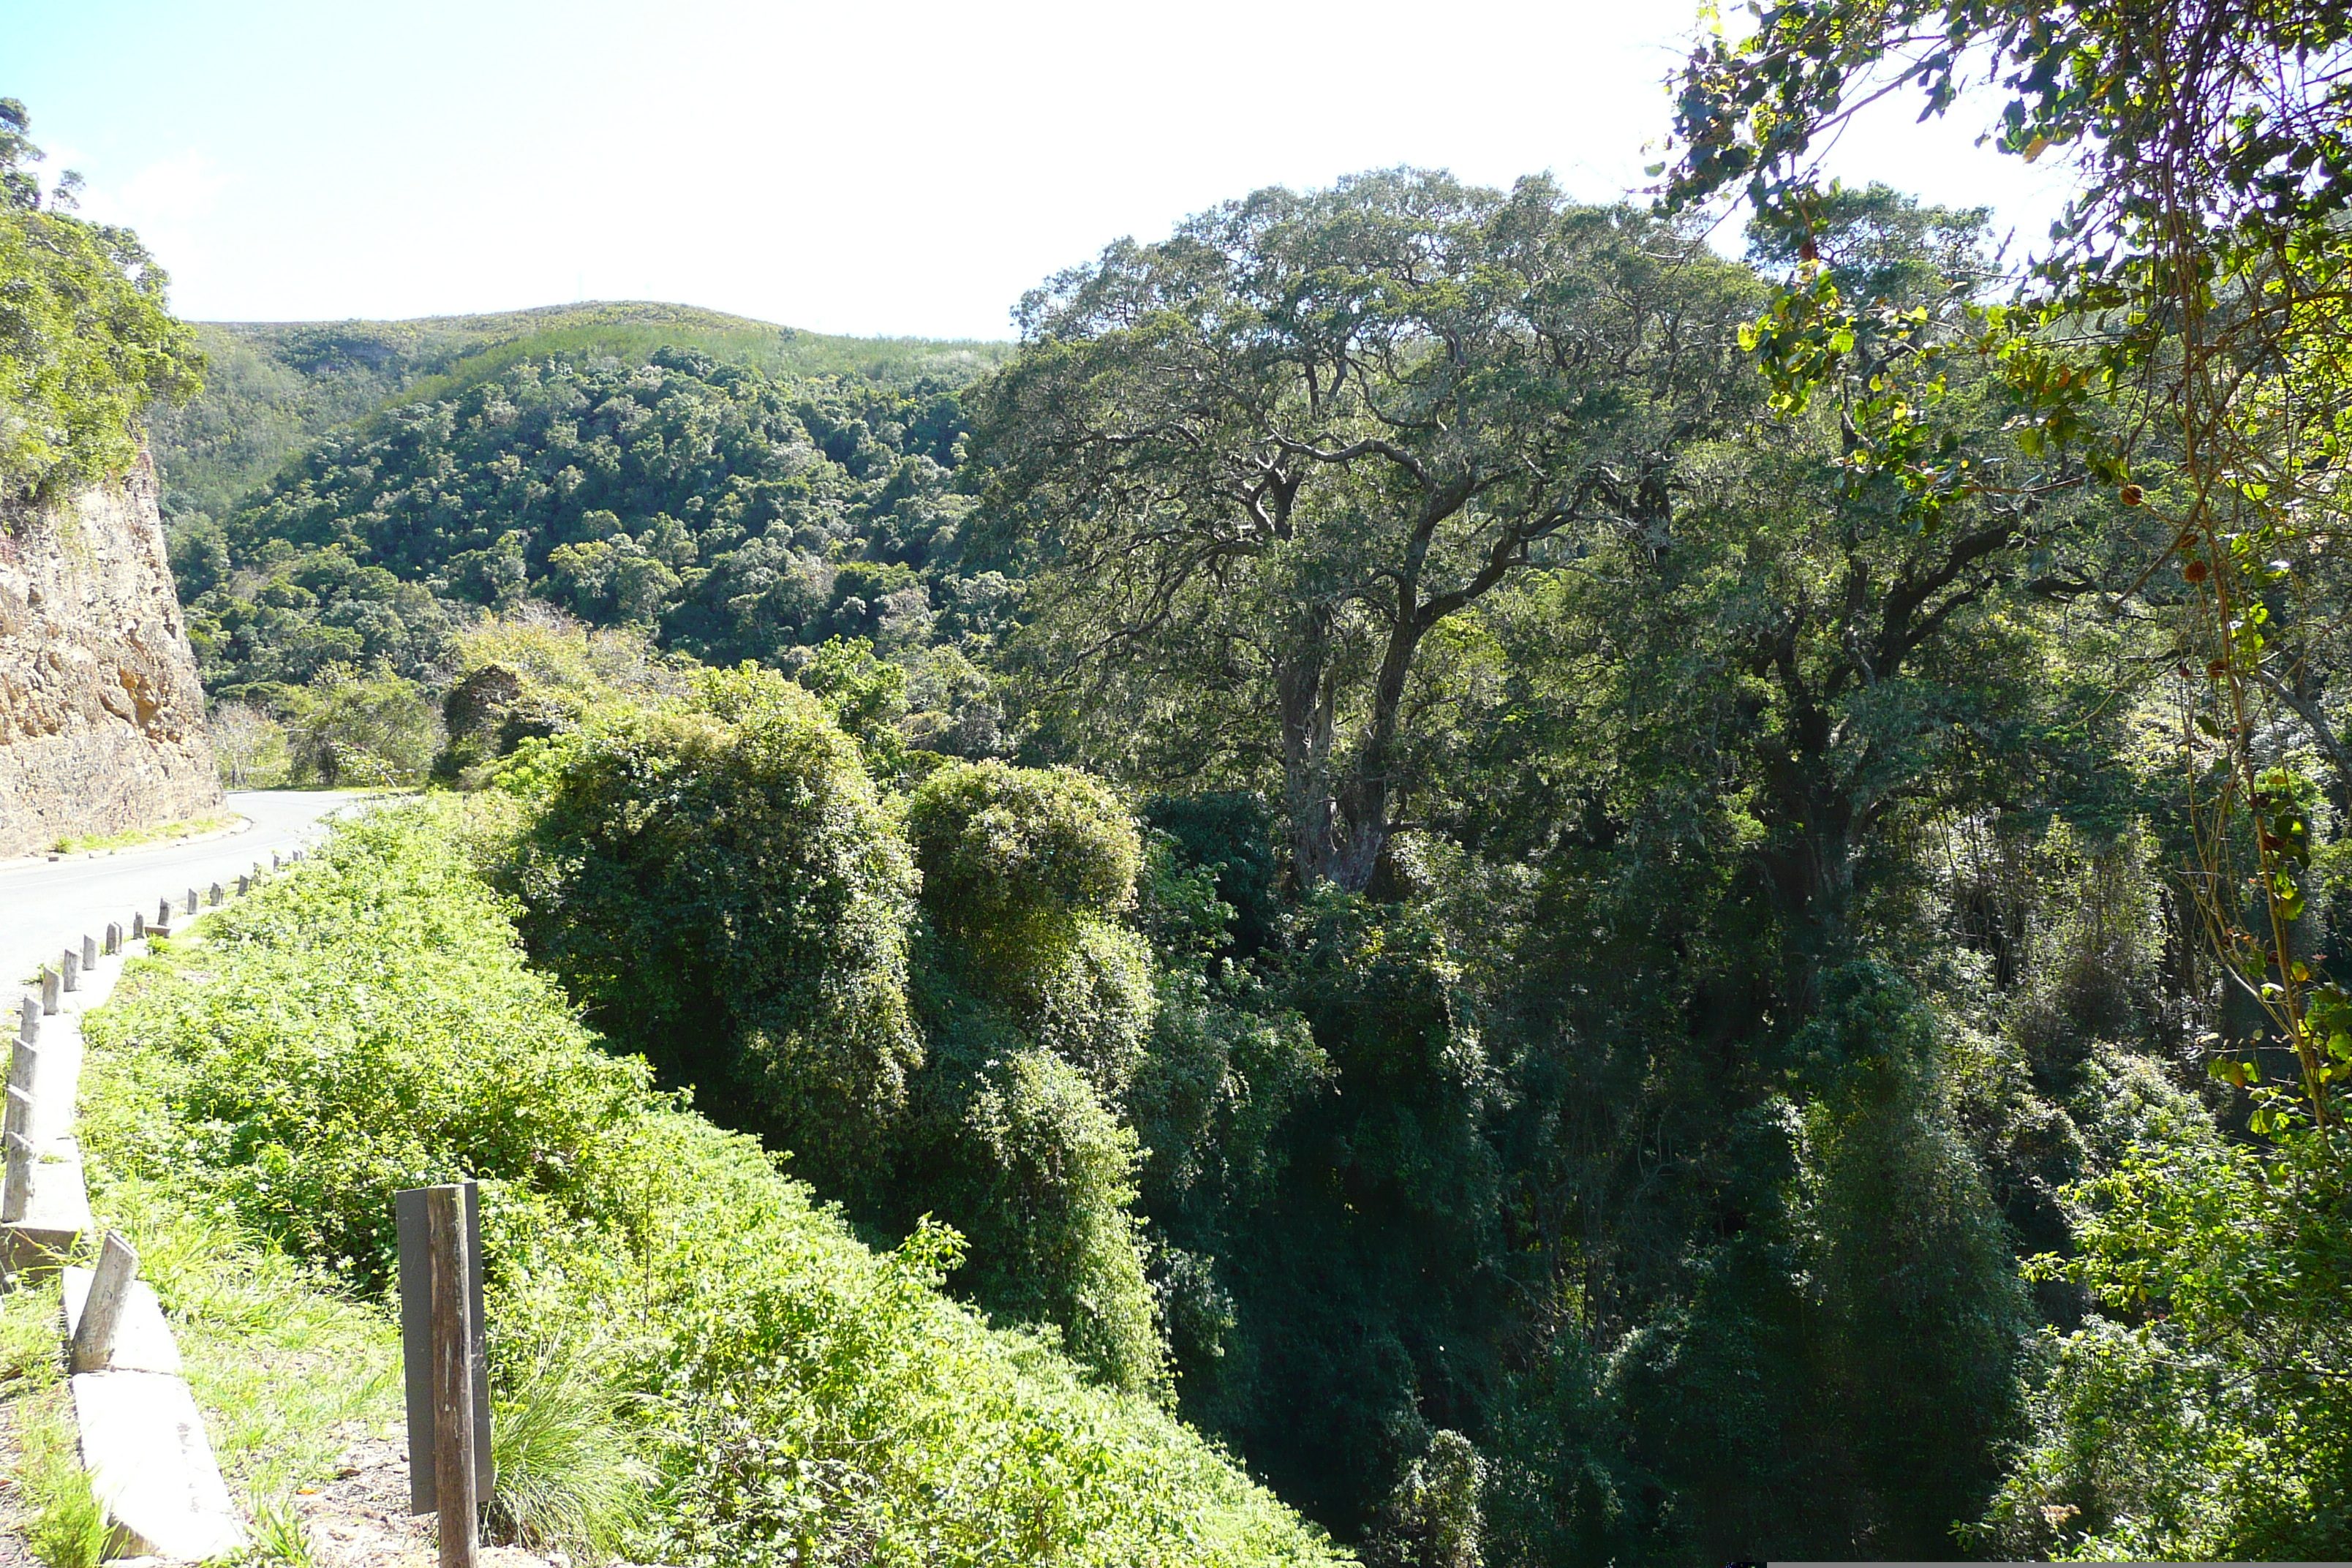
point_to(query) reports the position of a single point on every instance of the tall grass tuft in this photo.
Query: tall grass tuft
(280, 1539)
(567, 1476)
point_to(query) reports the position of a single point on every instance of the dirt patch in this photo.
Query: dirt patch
(360, 1519)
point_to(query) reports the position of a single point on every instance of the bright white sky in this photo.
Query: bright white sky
(904, 169)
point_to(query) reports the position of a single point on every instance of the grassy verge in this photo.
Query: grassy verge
(693, 1362)
(52, 1502)
(132, 837)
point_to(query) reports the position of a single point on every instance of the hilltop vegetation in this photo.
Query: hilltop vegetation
(273, 388)
(737, 515)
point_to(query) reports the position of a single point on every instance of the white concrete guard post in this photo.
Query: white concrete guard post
(217, 895)
(142, 1438)
(114, 936)
(69, 966)
(88, 951)
(151, 1467)
(143, 1340)
(137, 926)
(17, 1194)
(50, 999)
(103, 1304)
(192, 904)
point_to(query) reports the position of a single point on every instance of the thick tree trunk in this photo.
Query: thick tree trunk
(1808, 862)
(1306, 737)
(1340, 826)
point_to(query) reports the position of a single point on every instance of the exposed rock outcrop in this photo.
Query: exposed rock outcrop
(102, 718)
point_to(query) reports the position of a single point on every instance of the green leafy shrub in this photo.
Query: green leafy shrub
(1039, 1004)
(1005, 849)
(2201, 1413)
(1050, 1219)
(347, 729)
(1024, 871)
(719, 885)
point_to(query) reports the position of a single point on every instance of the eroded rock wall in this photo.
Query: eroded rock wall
(101, 719)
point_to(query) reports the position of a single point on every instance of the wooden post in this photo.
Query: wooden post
(275, 863)
(244, 886)
(69, 966)
(48, 989)
(101, 1310)
(218, 895)
(192, 905)
(453, 1376)
(137, 926)
(113, 936)
(163, 914)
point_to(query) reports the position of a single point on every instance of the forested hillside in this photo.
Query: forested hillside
(630, 465)
(271, 387)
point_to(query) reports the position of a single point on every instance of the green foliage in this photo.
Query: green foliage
(2203, 1413)
(1254, 488)
(567, 1474)
(86, 342)
(367, 1022)
(719, 884)
(1435, 1508)
(1053, 1239)
(1665, 885)
(1006, 851)
(1038, 1006)
(273, 388)
(64, 1524)
(1924, 1313)
(730, 514)
(347, 730)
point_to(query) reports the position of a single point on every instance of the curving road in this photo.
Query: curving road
(44, 904)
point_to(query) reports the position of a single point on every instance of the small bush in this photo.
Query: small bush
(1004, 849)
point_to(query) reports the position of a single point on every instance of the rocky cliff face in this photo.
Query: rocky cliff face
(101, 720)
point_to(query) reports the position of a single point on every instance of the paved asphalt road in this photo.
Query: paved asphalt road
(45, 903)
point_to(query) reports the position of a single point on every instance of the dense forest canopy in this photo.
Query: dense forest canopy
(739, 515)
(1599, 903)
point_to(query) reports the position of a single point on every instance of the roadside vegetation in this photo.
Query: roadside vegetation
(132, 837)
(694, 1360)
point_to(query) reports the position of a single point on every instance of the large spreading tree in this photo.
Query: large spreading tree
(1256, 464)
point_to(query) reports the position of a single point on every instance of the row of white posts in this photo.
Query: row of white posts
(141, 1437)
(440, 1266)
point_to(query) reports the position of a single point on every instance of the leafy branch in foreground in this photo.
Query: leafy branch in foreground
(2199, 276)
